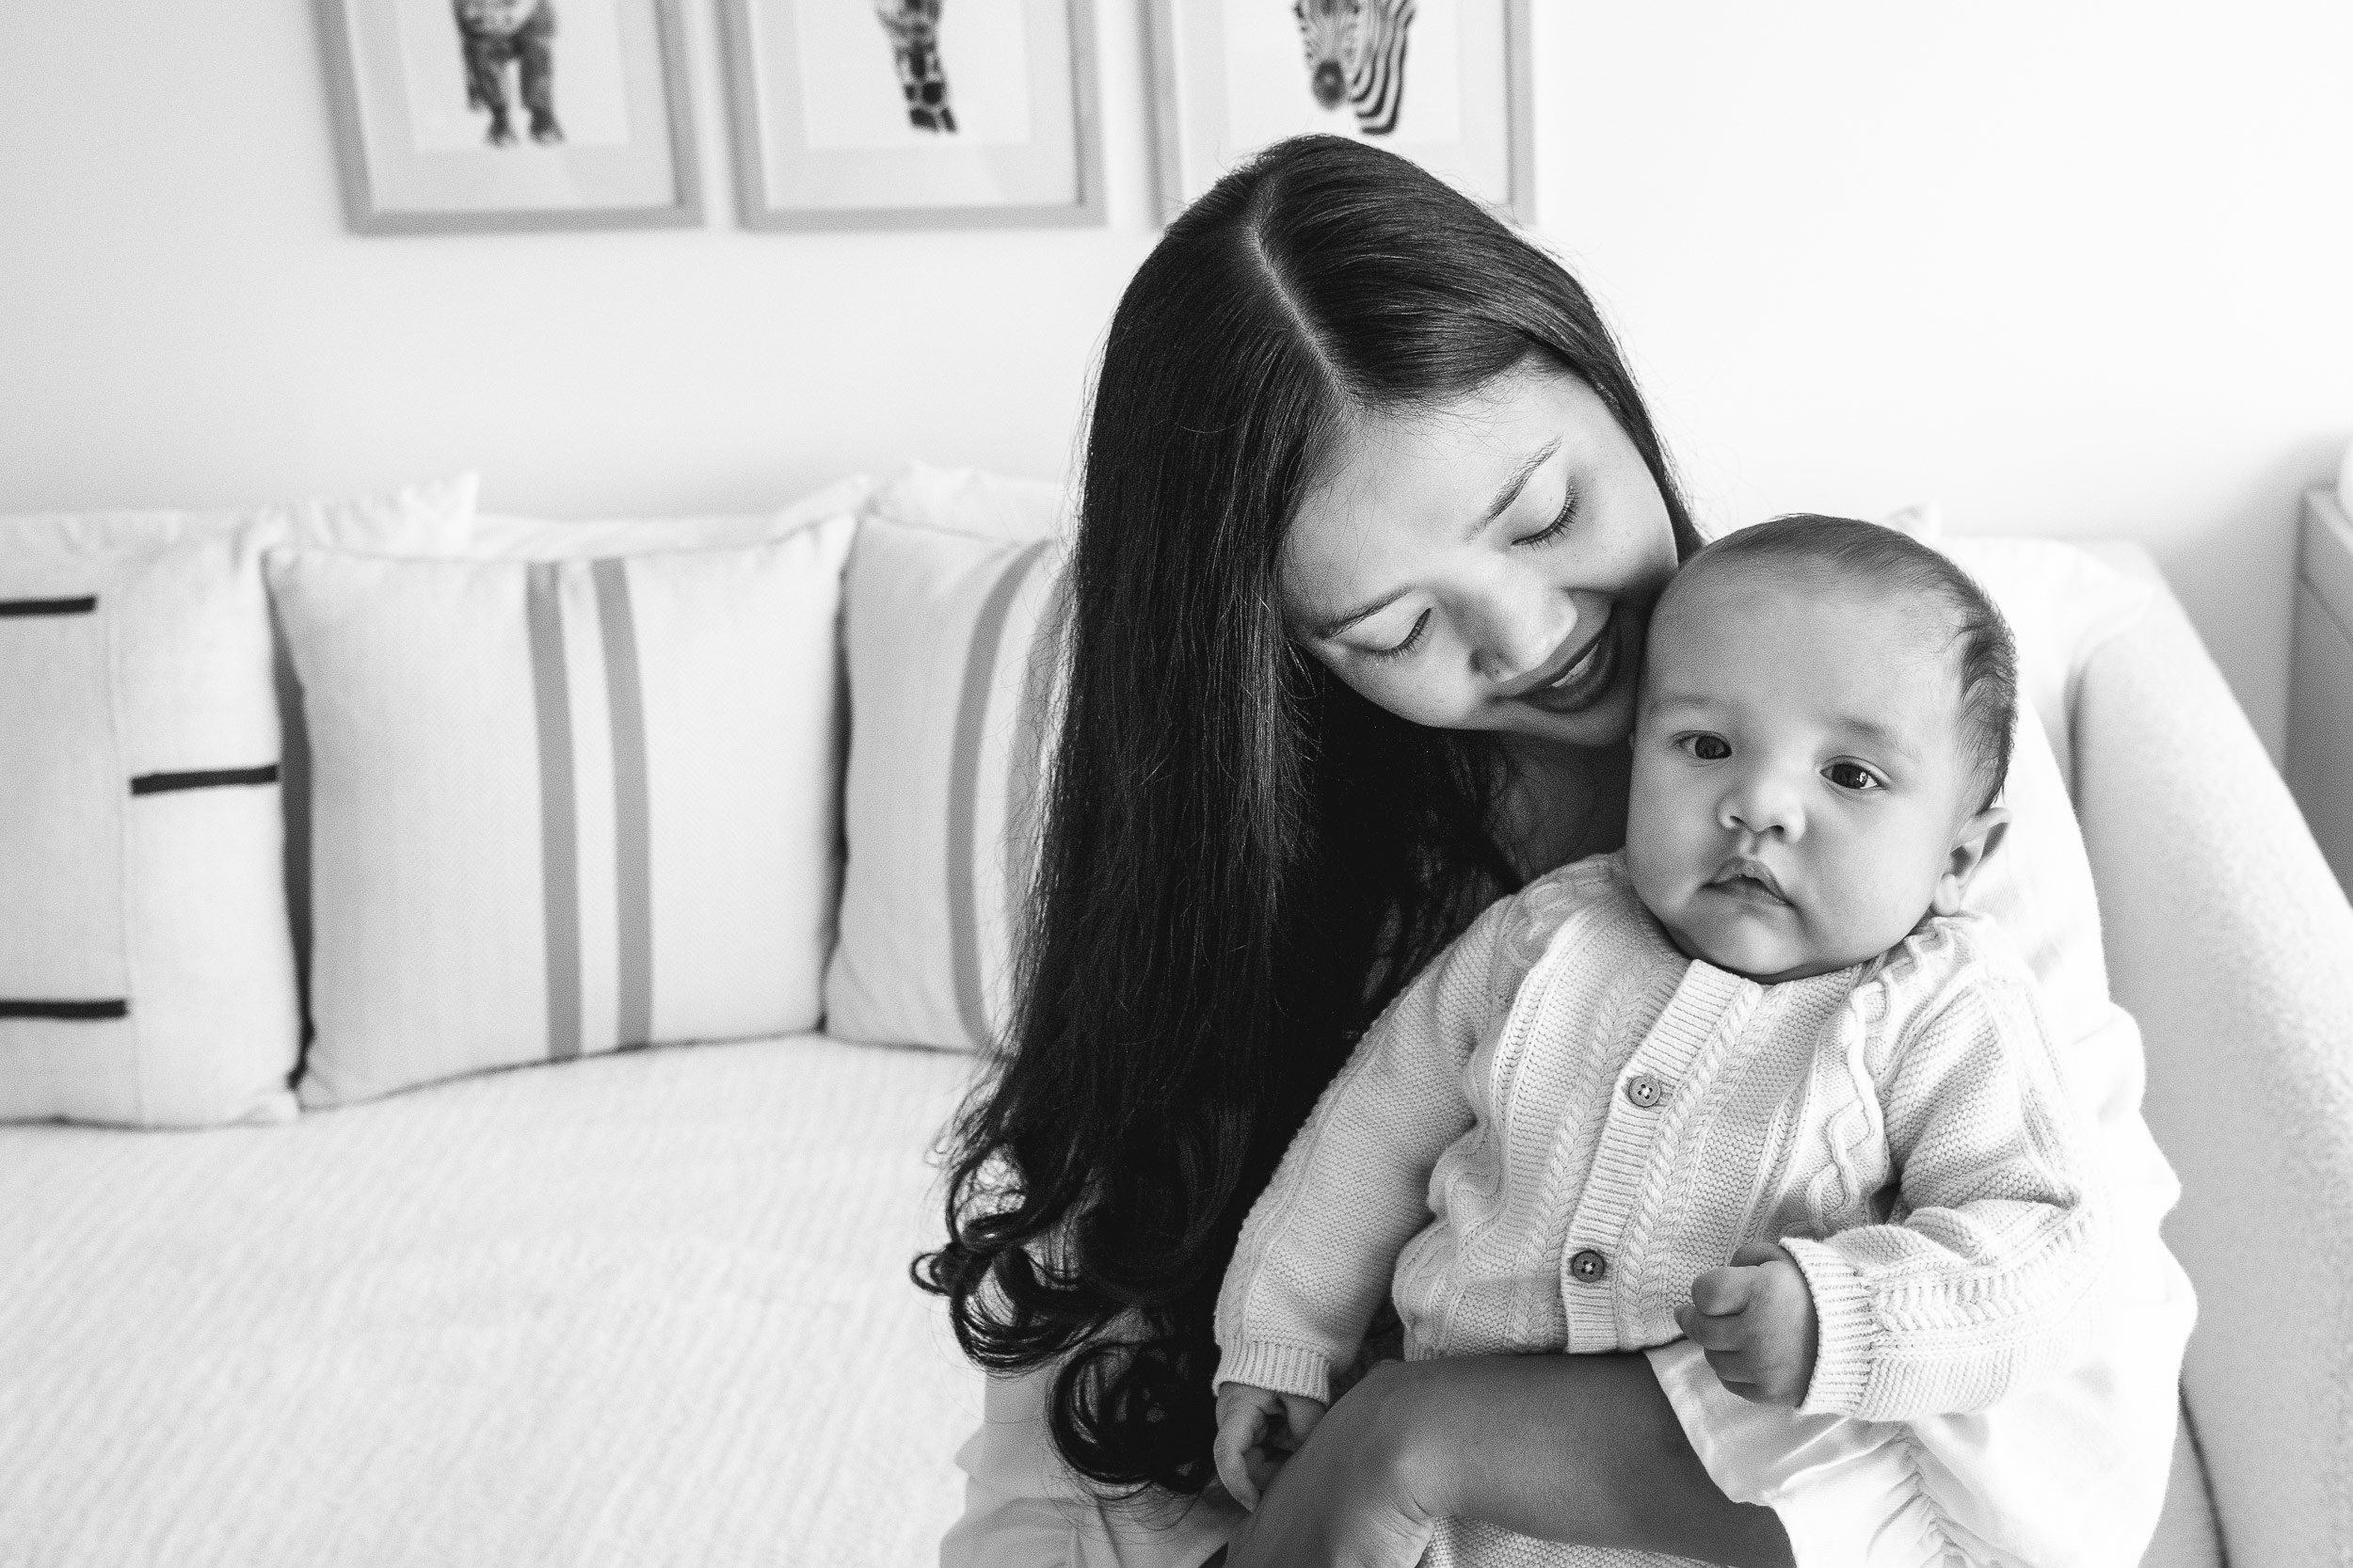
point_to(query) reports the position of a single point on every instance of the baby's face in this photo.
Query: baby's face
(1800, 782)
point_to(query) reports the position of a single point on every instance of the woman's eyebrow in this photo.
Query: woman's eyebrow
(1512, 486)
(1337, 624)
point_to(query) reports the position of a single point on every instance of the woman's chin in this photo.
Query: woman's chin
(1607, 722)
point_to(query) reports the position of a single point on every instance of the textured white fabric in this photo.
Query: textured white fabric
(2234, 944)
(972, 501)
(566, 807)
(1562, 1085)
(953, 642)
(519, 538)
(649, 1310)
(141, 839)
(425, 517)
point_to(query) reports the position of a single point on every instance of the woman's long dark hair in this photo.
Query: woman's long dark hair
(1242, 861)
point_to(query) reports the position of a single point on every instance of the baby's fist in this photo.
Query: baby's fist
(1755, 1321)
(1257, 1429)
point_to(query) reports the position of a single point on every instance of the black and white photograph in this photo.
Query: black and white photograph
(1175, 784)
(502, 114)
(1442, 82)
(914, 113)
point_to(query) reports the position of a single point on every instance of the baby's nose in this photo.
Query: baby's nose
(1763, 806)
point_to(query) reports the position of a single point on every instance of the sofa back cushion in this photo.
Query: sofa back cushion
(564, 806)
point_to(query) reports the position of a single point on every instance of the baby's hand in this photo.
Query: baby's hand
(1257, 1429)
(1755, 1321)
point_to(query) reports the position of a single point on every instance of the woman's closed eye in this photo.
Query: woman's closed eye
(1853, 778)
(1413, 640)
(1558, 526)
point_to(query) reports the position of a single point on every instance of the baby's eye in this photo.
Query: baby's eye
(1705, 748)
(1853, 776)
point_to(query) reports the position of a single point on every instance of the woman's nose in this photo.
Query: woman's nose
(1516, 637)
(1762, 805)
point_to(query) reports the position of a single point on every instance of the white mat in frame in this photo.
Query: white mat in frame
(903, 115)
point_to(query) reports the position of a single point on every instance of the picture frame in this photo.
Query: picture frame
(914, 114)
(479, 116)
(1447, 82)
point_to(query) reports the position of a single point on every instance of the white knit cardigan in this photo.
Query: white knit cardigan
(1563, 1121)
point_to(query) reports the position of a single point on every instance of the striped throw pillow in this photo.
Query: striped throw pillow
(564, 806)
(145, 972)
(952, 639)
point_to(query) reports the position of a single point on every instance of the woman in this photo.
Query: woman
(1372, 518)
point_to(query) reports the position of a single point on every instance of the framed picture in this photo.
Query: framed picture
(1443, 82)
(914, 114)
(458, 115)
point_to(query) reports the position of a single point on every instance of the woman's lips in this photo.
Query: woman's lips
(1584, 681)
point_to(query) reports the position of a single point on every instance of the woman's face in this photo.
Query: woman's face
(1488, 564)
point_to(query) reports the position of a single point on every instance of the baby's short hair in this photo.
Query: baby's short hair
(1987, 656)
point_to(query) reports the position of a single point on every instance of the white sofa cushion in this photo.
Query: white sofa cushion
(953, 620)
(145, 972)
(564, 806)
(650, 1309)
(498, 536)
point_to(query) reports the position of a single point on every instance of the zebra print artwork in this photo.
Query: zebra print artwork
(1356, 55)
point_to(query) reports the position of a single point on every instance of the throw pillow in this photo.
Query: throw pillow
(564, 806)
(145, 972)
(951, 642)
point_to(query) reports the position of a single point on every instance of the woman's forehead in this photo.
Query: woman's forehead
(1397, 482)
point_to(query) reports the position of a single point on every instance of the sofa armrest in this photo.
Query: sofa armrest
(2232, 944)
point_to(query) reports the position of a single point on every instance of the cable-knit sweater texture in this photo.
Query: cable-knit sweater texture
(1563, 1121)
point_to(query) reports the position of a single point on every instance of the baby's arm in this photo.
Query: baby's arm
(1985, 1282)
(1316, 1255)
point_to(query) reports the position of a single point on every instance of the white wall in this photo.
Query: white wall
(2073, 269)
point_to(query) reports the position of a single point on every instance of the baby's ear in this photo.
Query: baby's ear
(1973, 845)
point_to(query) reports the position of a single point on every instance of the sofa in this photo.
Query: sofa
(647, 1300)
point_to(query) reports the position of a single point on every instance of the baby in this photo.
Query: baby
(1755, 1080)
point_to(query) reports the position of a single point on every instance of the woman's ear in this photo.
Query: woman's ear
(1978, 838)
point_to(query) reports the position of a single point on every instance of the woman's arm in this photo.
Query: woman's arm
(1581, 1448)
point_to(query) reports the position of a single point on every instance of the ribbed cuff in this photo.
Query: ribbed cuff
(1842, 1314)
(1283, 1369)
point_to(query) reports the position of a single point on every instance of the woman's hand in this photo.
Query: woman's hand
(1581, 1448)
(1347, 1498)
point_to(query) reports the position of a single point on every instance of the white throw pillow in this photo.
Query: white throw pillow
(564, 806)
(952, 639)
(517, 539)
(970, 501)
(147, 977)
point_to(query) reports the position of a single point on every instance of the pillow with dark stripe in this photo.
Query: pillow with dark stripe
(146, 972)
(562, 807)
(953, 640)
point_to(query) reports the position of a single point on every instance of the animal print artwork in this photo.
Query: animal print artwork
(492, 33)
(1356, 55)
(913, 27)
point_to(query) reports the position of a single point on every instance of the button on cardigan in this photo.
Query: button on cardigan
(1563, 1121)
